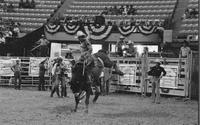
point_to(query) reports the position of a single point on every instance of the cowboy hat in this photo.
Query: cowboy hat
(157, 61)
(80, 34)
(129, 42)
(60, 58)
(121, 37)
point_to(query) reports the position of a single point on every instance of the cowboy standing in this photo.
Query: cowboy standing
(17, 74)
(42, 70)
(43, 44)
(156, 72)
(58, 78)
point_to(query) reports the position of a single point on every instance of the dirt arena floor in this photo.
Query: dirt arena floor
(31, 107)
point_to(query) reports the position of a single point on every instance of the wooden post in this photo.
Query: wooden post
(190, 74)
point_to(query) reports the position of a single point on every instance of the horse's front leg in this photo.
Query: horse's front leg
(76, 97)
(87, 101)
(97, 93)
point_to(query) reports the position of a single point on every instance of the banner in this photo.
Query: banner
(34, 65)
(5, 66)
(129, 71)
(171, 78)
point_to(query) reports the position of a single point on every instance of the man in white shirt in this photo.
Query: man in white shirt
(185, 50)
(42, 44)
(2, 39)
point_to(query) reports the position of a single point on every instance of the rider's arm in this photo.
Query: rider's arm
(163, 71)
(12, 68)
(89, 47)
(54, 69)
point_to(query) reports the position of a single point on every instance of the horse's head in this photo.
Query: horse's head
(78, 78)
(78, 68)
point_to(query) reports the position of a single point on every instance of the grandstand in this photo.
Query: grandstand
(30, 18)
(160, 10)
(190, 25)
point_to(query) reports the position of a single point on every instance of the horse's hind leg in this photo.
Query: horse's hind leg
(97, 93)
(76, 97)
(53, 89)
(87, 101)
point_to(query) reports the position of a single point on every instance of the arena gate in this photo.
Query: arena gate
(177, 81)
(30, 70)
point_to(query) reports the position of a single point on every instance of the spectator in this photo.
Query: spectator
(43, 44)
(42, 71)
(16, 30)
(32, 4)
(1, 8)
(21, 4)
(115, 10)
(110, 12)
(5, 7)
(130, 50)
(17, 74)
(119, 45)
(121, 9)
(125, 12)
(156, 72)
(2, 38)
(27, 4)
(185, 50)
(131, 10)
(69, 55)
(10, 8)
(105, 11)
(193, 13)
(9, 32)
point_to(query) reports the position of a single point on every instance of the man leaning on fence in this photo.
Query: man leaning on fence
(156, 72)
(17, 74)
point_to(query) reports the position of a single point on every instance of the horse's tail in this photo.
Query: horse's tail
(117, 70)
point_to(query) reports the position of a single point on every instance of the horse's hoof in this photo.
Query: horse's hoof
(86, 111)
(73, 110)
(94, 102)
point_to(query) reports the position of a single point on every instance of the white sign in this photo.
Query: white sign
(129, 71)
(5, 66)
(55, 50)
(34, 65)
(171, 78)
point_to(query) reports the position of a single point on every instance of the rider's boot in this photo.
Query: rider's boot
(118, 72)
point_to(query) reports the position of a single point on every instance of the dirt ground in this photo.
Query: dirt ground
(31, 107)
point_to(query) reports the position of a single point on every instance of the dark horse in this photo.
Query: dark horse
(79, 82)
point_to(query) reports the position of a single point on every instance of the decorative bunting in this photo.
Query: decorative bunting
(99, 32)
(127, 30)
(52, 28)
(147, 30)
(71, 28)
